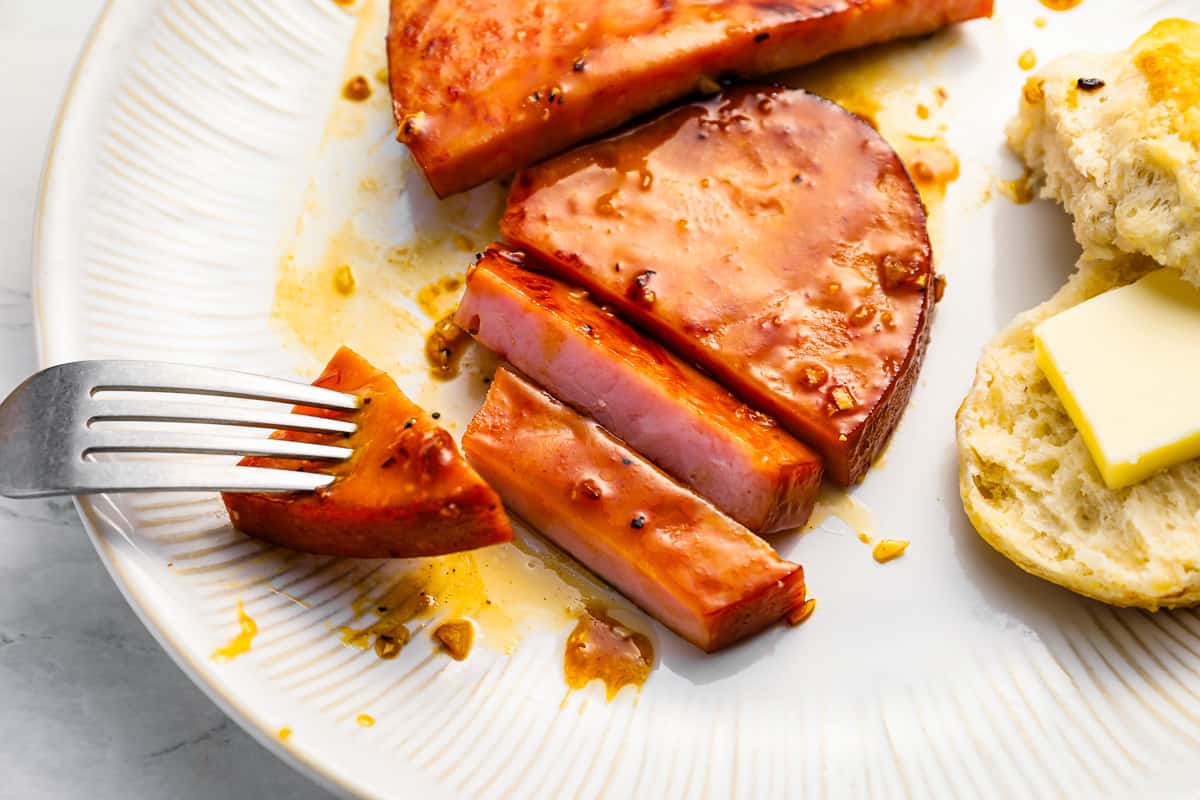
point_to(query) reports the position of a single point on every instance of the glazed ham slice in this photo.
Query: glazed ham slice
(768, 235)
(698, 572)
(483, 87)
(681, 420)
(405, 492)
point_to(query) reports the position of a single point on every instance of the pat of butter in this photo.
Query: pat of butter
(1126, 365)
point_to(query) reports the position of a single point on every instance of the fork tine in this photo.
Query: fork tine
(124, 476)
(149, 376)
(138, 410)
(44, 438)
(156, 441)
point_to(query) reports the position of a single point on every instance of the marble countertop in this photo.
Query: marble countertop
(91, 706)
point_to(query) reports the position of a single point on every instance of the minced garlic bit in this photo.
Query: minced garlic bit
(939, 287)
(456, 637)
(843, 400)
(799, 615)
(813, 376)
(388, 645)
(889, 549)
(343, 280)
(863, 313)
(357, 89)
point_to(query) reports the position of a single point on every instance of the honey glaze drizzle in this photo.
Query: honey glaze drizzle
(837, 502)
(932, 165)
(345, 295)
(403, 602)
(834, 501)
(495, 595)
(439, 298)
(602, 648)
(1060, 5)
(241, 643)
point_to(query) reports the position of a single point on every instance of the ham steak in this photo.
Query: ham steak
(484, 87)
(405, 492)
(766, 234)
(698, 572)
(683, 421)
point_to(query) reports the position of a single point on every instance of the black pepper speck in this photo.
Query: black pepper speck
(638, 522)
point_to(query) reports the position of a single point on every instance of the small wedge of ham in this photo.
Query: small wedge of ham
(406, 492)
(681, 420)
(697, 571)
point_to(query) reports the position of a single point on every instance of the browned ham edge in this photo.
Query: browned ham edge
(698, 572)
(683, 421)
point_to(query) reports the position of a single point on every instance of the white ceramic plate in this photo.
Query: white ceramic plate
(204, 155)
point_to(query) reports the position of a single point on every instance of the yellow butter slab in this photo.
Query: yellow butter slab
(1126, 365)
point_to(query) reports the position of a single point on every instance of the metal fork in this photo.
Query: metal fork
(48, 434)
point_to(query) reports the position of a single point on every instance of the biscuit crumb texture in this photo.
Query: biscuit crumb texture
(1032, 491)
(1122, 157)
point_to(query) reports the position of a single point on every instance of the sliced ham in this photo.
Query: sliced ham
(680, 419)
(766, 234)
(483, 87)
(405, 492)
(698, 572)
